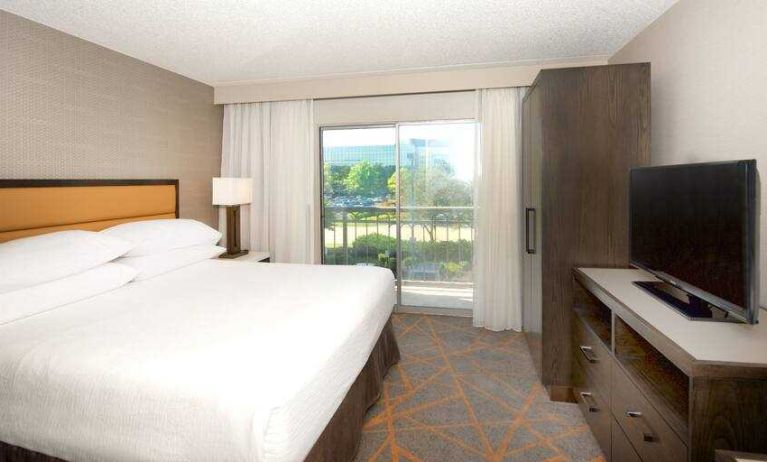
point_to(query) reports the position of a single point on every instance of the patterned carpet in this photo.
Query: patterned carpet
(467, 394)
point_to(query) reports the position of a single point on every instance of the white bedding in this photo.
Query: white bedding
(220, 360)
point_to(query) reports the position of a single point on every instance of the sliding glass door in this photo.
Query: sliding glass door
(400, 197)
(436, 214)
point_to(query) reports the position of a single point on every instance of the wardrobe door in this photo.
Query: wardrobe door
(532, 155)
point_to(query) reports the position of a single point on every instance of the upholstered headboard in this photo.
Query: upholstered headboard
(30, 207)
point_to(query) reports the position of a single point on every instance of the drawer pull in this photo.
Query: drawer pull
(647, 437)
(588, 398)
(588, 353)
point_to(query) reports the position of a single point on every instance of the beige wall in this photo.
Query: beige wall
(394, 83)
(709, 87)
(72, 109)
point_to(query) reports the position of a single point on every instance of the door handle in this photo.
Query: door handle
(530, 243)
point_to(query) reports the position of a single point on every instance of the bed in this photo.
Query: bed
(219, 360)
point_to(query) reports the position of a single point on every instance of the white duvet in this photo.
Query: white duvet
(221, 360)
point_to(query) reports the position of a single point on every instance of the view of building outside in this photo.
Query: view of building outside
(360, 198)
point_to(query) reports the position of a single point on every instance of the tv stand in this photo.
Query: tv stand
(692, 307)
(655, 386)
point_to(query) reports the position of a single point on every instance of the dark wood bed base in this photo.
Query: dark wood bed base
(340, 440)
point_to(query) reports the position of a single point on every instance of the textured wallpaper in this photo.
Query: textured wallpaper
(73, 109)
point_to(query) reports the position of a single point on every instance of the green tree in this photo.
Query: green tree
(334, 178)
(432, 186)
(366, 179)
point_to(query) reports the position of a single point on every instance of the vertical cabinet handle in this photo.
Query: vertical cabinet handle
(588, 398)
(530, 225)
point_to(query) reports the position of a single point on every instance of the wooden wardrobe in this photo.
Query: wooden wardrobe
(583, 128)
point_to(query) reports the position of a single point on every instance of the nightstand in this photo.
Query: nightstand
(254, 257)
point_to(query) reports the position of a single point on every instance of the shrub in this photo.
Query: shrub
(449, 270)
(374, 244)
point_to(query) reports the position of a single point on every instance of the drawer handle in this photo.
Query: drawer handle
(588, 353)
(588, 398)
(646, 436)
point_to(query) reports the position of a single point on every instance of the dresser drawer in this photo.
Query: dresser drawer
(593, 406)
(622, 450)
(652, 438)
(592, 354)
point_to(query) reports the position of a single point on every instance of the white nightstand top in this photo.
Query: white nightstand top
(254, 256)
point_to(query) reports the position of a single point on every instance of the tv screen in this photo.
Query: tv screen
(694, 226)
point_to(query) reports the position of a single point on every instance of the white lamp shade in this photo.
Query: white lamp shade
(232, 191)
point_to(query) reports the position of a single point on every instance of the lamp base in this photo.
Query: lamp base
(233, 255)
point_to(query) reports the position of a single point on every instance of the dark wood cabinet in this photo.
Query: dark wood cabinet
(583, 128)
(658, 387)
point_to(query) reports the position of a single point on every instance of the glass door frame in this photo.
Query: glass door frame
(398, 202)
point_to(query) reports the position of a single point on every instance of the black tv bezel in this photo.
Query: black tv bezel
(750, 312)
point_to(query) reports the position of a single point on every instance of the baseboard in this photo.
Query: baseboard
(459, 312)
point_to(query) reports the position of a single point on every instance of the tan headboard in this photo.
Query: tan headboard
(30, 207)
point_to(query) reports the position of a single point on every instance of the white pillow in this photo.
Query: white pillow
(34, 260)
(43, 297)
(149, 266)
(157, 236)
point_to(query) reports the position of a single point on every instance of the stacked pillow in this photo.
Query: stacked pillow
(159, 246)
(42, 272)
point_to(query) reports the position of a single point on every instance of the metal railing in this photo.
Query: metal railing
(430, 235)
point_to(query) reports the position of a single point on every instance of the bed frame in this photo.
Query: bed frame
(32, 207)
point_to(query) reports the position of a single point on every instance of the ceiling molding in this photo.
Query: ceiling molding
(456, 78)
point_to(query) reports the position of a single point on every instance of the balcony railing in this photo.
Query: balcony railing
(436, 245)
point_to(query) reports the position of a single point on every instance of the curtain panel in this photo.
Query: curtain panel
(273, 144)
(497, 211)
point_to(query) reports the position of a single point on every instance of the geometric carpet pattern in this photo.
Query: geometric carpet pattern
(464, 394)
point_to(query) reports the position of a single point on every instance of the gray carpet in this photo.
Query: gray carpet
(466, 394)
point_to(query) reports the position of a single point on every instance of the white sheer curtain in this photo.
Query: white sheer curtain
(497, 211)
(273, 144)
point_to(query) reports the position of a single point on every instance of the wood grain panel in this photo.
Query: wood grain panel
(689, 408)
(732, 414)
(595, 125)
(592, 355)
(594, 405)
(650, 435)
(532, 164)
(622, 450)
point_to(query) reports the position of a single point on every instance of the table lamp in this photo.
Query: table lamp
(232, 192)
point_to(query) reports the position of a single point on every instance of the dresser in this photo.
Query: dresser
(655, 386)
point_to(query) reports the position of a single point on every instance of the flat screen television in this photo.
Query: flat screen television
(695, 227)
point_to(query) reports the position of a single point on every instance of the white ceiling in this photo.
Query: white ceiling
(217, 41)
